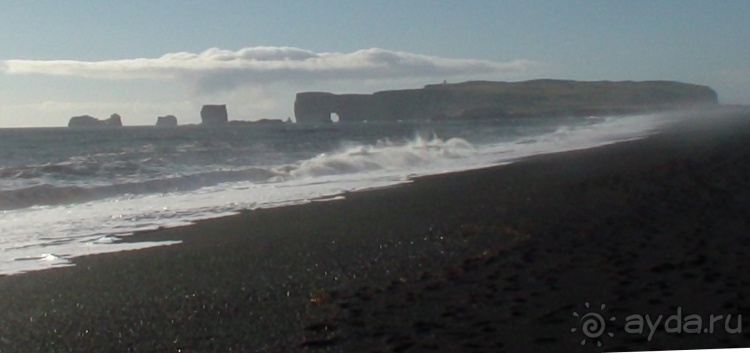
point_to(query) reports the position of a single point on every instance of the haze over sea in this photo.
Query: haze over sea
(71, 192)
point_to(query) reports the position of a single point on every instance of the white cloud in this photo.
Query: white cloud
(255, 82)
(217, 70)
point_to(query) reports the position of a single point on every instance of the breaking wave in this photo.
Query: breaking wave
(383, 155)
(55, 209)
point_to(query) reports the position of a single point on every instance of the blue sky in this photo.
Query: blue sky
(143, 59)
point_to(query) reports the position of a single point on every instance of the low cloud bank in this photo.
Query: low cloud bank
(216, 69)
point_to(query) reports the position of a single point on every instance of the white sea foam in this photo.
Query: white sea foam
(30, 236)
(385, 155)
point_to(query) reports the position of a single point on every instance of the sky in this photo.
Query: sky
(143, 59)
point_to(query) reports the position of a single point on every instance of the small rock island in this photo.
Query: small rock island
(496, 100)
(214, 114)
(89, 121)
(167, 120)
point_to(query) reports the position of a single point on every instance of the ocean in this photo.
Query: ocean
(66, 192)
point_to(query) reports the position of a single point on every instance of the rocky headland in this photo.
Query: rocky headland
(493, 100)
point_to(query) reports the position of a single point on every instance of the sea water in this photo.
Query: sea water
(72, 192)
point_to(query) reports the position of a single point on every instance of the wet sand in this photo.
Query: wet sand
(489, 260)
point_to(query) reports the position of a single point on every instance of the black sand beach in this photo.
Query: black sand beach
(490, 260)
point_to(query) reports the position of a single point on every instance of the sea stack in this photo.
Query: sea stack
(89, 121)
(214, 114)
(168, 120)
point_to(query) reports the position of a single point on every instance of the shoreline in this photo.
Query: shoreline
(299, 277)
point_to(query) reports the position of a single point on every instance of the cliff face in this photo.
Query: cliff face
(491, 100)
(89, 121)
(214, 114)
(315, 106)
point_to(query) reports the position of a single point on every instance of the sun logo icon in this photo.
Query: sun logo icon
(592, 324)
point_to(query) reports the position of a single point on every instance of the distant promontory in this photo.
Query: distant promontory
(493, 100)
